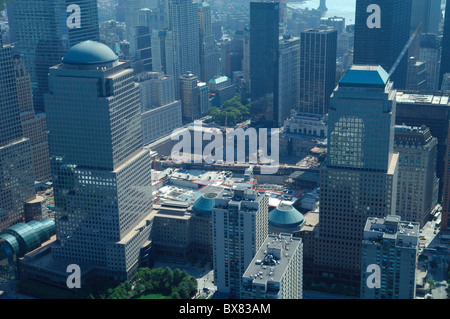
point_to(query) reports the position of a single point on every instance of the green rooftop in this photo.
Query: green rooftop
(286, 216)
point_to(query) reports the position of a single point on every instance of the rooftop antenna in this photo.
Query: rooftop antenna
(394, 67)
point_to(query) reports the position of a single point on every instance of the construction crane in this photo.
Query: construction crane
(411, 39)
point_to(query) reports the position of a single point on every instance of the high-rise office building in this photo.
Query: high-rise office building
(416, 79)
(89, 25)
(430, 53)
(431, 110)
(190, 97)
(102, 185)
(131, 11)
(429, 13)
(203, 97)
(161, 113)
(141, 49)
(246, 58)
(289, 77)
(392, 244)
(16, 169)
(208, 49)
(162, 51)
(359, 176)
(382, 45)
(183, 23)
(276, 271)
(445, 57)
(34, 126)
(446, 190)
(418, 185)
(317, 69)
(155, 18)
(41, 38)
(240, 227)
(149, 19)
(264, 43)
(42, 35)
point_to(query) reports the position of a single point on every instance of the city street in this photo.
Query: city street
(437, 250)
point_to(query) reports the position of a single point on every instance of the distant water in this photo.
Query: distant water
(340, 8)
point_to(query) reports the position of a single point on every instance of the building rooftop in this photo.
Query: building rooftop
(205, 204)
(404, 233)
(365, 75)
(272, 259)
(90, 52)
(286, 216)
(422, 98)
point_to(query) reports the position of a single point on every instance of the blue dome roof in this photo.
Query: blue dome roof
(205, 204)
(286, 216)
(90, 52)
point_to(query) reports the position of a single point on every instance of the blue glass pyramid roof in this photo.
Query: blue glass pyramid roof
(365, 75)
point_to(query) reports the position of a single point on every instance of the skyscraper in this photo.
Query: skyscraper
(383, 45)
(446, 190)
(430, 53)
(161, 113)
(240, 226)
(208, 49)
(392, 244)
(102, 185)
(183, 23)
(445, 57)
(418, 185)
(264, 43)
(289, 77)
(39, 27)
(16, 169)
(41, 36)
(34, 126)
(190, 97)
(89, 28)
(317, 69)
(162, 51)
(429, 13)
(359, 176)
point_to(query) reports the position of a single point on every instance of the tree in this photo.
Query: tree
(431, 282)
(177, 276)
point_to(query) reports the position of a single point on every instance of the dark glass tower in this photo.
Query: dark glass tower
(445, 58)
(382, 46)
(264, 42)
(40, 30)
(317, 69)
(89, 22)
